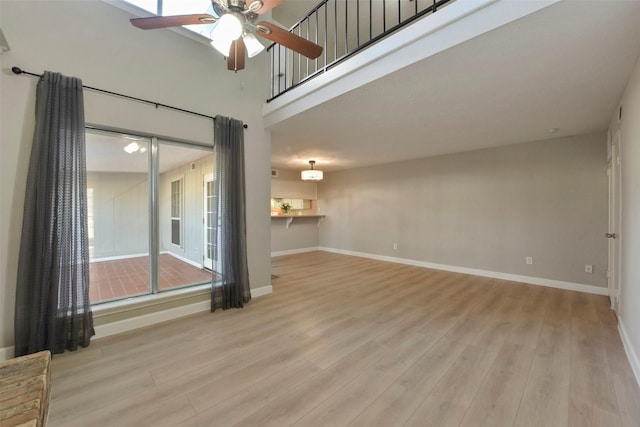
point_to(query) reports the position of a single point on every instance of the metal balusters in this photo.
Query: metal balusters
(289, 60)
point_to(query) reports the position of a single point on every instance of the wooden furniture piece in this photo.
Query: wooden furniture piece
(24, 390)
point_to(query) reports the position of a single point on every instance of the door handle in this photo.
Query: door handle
(611, 235)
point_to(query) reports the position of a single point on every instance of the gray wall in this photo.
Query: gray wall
(629, 127)
(301, 234)
(486, 209)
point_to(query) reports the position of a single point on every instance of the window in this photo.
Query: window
(179, 7)
(176, 209)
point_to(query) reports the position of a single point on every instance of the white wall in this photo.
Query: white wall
(486, 210)
(629, 127)
(95, 41)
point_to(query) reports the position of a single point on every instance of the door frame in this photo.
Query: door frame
(614, 226)
(206, 262)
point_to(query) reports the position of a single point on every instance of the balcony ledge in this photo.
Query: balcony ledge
(458, 22)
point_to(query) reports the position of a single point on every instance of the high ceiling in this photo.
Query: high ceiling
(563, 67)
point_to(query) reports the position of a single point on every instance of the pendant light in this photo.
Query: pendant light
(311, 174)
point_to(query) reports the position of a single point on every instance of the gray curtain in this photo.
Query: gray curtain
(231, 290)
(52, 294)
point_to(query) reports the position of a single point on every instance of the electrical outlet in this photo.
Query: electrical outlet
(529, 260)
(395, 246)
(588, 268)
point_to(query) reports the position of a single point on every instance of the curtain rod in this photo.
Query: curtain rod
(17, 70)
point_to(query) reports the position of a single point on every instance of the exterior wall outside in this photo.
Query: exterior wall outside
(487, 209)
(112, 54)
(192, 229)
(120, 214)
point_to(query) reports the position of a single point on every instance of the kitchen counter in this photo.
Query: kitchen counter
(289, 218)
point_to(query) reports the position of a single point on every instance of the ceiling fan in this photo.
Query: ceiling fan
(234, 32)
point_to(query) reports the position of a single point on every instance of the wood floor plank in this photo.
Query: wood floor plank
(546, 397)
(346, 403)
(238, 406)
(498, 398)
(348, 340)
(299, 401)
(451, 369)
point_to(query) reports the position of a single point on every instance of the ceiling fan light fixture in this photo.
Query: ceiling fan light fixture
(228, 29)
(255, 5)
(252, 44)
(311, 174)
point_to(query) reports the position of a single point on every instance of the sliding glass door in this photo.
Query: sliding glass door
(182, 223)
(146, 215)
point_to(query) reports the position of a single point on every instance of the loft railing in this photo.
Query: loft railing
(342, 28)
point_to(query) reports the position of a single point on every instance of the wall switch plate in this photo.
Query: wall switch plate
(529, 260)
(395, 246)
(588, 268)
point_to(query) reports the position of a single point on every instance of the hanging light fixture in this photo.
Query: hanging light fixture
(311, 174)
(252, 44)
(228, 29)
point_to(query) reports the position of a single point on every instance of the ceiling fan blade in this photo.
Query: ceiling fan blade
(235, 60)
(267, 5)
(290, 40)
(154, 22)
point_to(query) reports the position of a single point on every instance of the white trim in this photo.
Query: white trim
(264, 290)
(628, 348)
(150, 300)
(294, 251)
(144, 320)
(6, 353)
(137, 322)
(454, 24)
(118, 257)
(477, 272)
(183, 259)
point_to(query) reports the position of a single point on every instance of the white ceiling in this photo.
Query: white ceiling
(563, 67)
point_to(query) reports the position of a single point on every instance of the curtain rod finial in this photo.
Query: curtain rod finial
(16, 70)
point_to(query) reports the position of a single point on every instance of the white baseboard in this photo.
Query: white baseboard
(477, 272)
(628, 348)
(6, 353)
(118, 257)
(264, 290)
(164, 315)
(187, 260)
(294, 251)
(138, 322)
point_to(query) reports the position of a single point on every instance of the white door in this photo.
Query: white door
(614, 224)
(209, 246)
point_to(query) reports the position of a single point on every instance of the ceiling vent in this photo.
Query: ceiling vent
(275, 173)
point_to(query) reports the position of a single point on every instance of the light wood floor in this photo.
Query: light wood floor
(352, 341)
